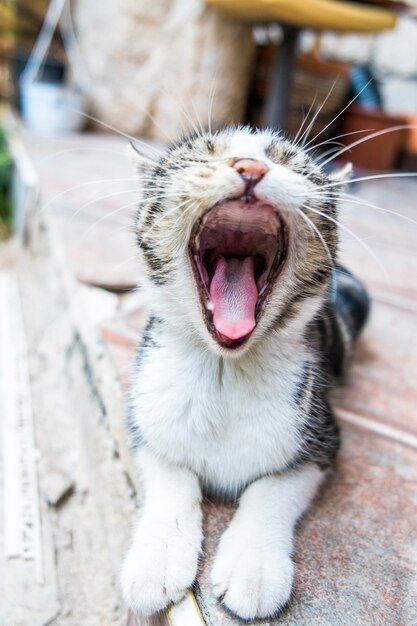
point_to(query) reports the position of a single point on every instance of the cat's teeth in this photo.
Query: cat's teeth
(210, 305)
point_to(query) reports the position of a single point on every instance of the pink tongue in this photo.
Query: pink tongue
(234, 295)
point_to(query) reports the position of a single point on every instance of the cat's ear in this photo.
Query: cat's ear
(141, 163)
(344, 174)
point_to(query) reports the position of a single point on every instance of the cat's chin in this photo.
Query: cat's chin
(237, 252)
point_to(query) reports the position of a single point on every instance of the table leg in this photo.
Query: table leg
(279, 90)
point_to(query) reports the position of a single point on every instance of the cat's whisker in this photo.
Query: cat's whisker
(316, 231)
(153, 119)
(129, 259)
(325, 196)
(104, 217)
(187, 209)
(341, 183)
(158, 196)
(334, 143)
(305, 118)
(164, 216)
(339, 114)
(159, 127)
(323, 143)
(347, 197)
(335, 147)
(181, 105)
(338, 183)
(317, 113)
(82, 185)
(94, 200)
(119, 132)
(321, 200)
(150, 182)
(200, 125)
(145, 145)
(378, 133)
(48, 157)
(352, 234)
(161, 166)
(212, 95)
(327, 152)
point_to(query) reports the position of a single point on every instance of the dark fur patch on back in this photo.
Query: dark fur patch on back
(336, 327)
(148, 342)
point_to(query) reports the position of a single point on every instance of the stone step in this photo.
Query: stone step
(86, 501)
(87, 497)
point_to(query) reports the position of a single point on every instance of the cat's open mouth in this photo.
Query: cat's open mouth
(237, 252)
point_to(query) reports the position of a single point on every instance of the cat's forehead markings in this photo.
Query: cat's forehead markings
(246, 145)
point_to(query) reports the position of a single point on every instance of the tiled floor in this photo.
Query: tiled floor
(356, 555)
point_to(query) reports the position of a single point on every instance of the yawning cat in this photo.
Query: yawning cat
(251, 319)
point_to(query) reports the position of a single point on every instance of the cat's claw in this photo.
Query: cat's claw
(252, 582)
(161, 565)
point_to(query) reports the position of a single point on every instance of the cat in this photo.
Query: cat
(251, 319)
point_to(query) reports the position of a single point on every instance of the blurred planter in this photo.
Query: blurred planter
(408, 160)
(52, 108)
(411, 143)
(53, 71)
(379, 153)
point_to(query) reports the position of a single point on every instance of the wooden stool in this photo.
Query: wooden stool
(294, 15)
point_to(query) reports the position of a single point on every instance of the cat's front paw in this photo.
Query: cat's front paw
(161, 564)
(252, 581)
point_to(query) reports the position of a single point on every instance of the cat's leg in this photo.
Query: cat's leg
(162, 561)
(253, 571)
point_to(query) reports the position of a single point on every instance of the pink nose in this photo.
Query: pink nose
(251, 169)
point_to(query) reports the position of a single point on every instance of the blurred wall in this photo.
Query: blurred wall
(392, 56)
(166, 58)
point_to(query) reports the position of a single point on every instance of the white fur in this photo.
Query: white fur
(229, 420)
(253, 572)
(162, 561)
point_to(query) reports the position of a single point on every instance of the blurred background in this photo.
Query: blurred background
(157, 70)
